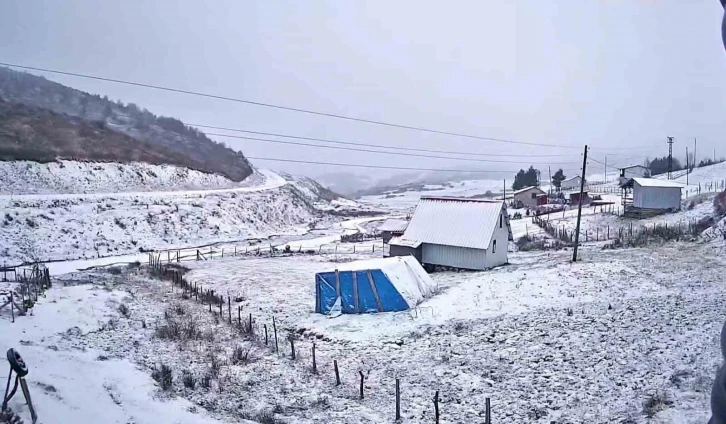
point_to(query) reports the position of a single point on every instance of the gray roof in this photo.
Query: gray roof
(394, 225)
(454, 222)
(652, 182)
(522, 190)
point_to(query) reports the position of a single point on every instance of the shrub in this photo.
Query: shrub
(206, 381)
(719, 204)
(169, 331)
(188, 379)
(240, 355)
(656, 403)
(124, 310)
(163, 376)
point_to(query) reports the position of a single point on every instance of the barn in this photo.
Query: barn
(392, 228)
(528, 196)
(633, 171)
(571, 184)
(460, 233)
(650, 196)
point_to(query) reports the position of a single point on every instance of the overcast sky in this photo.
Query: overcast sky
(619, 75)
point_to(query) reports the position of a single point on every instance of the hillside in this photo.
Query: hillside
(65, 177)
(42, 120)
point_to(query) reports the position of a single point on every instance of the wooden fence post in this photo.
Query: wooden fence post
(265, 334)
(229, 308)
(398, 399)
(274, 328)
(337, 374)
(436, 406)
(488, 412)
(250, 327)
(315, 364)
(239, 316)
(292, 346)
(361, 383)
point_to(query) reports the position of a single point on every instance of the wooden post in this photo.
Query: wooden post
(292, 346)
(229, 308)
(361, 383)
(223, 252)
(12, 310)
(398, 399)
(235, 250)
(337, 374)
(436, 406)
(220, 305)
(274, 328)
(210, 294)
(315, 364)
(250, 328)
(265, 334)
(488, 412)
(608, 233)
(239, 316)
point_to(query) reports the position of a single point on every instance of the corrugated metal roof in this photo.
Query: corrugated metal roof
(654, 182)
(454, 222)
(394, 225)
(522, 190)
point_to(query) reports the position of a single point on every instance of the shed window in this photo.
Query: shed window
(494, 247)
(501, 218)
(534, 195)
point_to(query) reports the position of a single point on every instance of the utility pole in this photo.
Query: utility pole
(579, 206)
(688, 166)
(504, 193)
(670, 156)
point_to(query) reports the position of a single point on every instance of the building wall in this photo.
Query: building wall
(656, 197)
(526, 197)
(405, 251)
(453, 256)
(498, 257)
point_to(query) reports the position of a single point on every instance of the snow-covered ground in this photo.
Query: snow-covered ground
(95, 225)
(25, 177)
(85, 384)
(545, 339)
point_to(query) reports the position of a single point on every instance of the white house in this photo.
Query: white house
(633, 171)
(460, 233)
(653, 194)
(528, 196)
(571, 183)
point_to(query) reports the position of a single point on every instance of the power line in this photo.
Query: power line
(287, 108)
(294, 143)
(323, 140)
(373, 166)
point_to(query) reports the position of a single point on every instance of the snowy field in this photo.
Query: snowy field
(545, 339)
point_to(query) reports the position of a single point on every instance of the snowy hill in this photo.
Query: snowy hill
(102, 223)
(42, 120)
(26, 177)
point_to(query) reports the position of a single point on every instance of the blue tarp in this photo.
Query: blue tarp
(374, 294)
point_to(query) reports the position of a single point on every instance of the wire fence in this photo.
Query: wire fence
(284, 343)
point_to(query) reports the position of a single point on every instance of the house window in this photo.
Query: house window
(501, 218)
(494, 247)
(534, 195)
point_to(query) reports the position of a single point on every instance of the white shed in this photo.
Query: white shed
(571, 183)
(460, 233)
(653, 193)
(528, 196)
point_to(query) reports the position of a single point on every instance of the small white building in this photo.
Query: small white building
(571, 183)
(653, 194)
(460, 233)
(633, 171)
(528, 196)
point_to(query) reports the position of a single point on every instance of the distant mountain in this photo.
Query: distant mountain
(42, 120)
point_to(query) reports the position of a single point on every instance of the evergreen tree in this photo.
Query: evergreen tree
(558, 178)
(525, 178)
